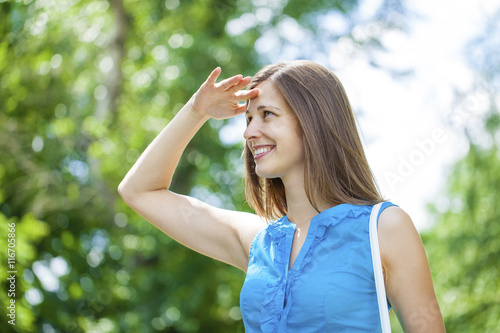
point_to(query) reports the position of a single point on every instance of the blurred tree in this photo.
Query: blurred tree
(464, 246)
(85, 86)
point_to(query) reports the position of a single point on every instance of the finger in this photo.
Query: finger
(240, 85)
(240, 109)
(245, 95)
(229, 82)
(213, 76)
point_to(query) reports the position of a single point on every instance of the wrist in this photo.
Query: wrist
(195, 113)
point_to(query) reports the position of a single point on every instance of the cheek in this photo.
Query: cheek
(294, 146)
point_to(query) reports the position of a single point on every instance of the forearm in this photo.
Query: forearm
(154, 169)
(156, 166)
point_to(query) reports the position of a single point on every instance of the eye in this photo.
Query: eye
(267, 114)
(249, 119)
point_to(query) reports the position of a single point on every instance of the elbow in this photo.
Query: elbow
(133, 192)
(125, 192)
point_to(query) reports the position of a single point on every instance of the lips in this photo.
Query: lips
(261, 151)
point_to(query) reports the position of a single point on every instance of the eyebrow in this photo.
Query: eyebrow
(262, 107)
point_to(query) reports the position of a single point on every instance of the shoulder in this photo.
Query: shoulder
(394, 219)
(395, 225)
(398, 238)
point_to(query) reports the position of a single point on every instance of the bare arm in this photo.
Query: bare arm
(221, 234)
(407, 274)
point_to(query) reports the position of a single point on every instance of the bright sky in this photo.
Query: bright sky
(411, 129)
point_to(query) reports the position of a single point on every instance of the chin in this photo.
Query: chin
(261, 172)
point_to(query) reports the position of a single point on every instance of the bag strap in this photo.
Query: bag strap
(377, 269)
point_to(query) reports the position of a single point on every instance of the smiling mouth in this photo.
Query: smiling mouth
(262, 152)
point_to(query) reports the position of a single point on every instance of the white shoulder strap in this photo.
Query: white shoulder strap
(377, 268)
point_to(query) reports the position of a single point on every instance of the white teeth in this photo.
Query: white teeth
(262, 150)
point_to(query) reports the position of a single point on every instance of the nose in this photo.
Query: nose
(252, 131)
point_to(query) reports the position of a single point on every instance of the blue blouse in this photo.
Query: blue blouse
(331, 286)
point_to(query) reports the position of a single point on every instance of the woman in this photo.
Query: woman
(310, 270)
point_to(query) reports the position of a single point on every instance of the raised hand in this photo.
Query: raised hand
(220, 100)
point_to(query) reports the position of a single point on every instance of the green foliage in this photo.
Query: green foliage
(464, 247)
(86, 85)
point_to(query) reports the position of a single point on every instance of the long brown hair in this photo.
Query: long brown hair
(336, 170)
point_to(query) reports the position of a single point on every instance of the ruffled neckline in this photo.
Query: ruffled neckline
(320, 222)
(318, 227)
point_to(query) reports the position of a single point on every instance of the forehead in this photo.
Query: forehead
(269, 95)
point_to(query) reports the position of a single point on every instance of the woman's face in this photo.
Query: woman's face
(273, 135)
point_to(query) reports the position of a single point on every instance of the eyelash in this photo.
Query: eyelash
(264, 113)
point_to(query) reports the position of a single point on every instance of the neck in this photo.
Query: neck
(300, 210)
